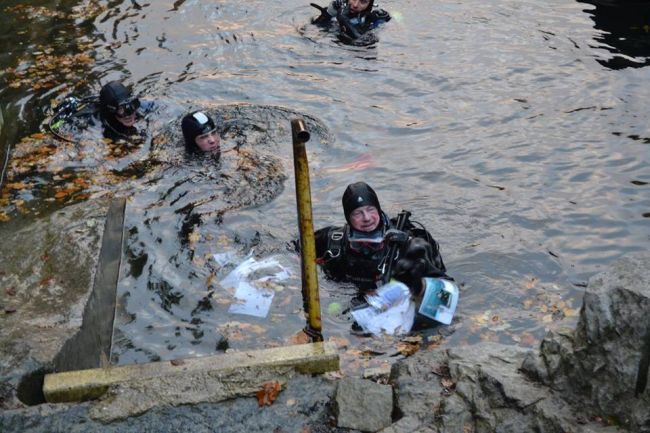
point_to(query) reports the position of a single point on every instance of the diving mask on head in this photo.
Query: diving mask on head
(127, 108)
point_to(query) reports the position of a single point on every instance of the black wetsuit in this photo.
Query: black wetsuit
(363, 268)
(87, 113)
(352, 25)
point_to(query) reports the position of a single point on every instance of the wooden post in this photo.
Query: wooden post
(306, 225)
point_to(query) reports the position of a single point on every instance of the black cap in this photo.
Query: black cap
(113, 95)
(193, 125)
(356, 195)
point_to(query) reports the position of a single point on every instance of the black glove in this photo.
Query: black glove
(347, 28)
(324, 17)
(398, 236)
(418, 262)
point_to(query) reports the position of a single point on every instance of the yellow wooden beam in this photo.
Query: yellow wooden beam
(74, 386)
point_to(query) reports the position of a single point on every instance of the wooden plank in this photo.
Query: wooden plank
(93, 383)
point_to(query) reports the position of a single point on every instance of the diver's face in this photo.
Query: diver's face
(208, 142)
(364, 218)
(357, 6)
(127, 121)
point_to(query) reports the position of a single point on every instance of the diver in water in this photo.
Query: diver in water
(371, 250)
(359, 251)
(116, 110)
(355, 17)
(200, 134)
(119, 111)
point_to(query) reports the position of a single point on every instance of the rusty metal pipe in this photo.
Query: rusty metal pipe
(310, 294)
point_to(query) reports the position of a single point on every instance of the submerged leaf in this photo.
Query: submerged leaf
(299, 338)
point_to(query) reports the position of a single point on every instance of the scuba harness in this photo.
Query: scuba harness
(381, 252)
(70, 109)
(387, 266)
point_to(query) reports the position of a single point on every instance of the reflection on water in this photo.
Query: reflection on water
(625, 32)
(173, 300)
(501, 125)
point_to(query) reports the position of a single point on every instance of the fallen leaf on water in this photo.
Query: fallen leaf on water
(16, 185)
(407, 349)
(434, 342)
(255, 329)
(193, 237)
(570, 312)
(269, 392)
(527, 339)
(299, 338)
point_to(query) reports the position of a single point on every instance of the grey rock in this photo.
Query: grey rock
(597, 366)
(363, 405)
(408, 424)
(51, 269)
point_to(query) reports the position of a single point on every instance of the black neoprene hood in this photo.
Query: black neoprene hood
(112, 95)
(356, 195)
(195, 124)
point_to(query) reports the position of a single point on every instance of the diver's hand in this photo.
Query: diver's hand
(416, 264)
(347, 28)
(324, 17)
(334, 7)
(398, 236)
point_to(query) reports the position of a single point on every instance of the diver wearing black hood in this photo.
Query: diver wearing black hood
(355, 17)
(358, 251)
(119, 110)
(116, 109)
(200, 134)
